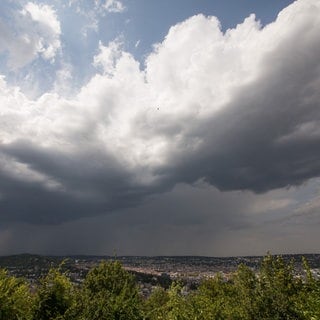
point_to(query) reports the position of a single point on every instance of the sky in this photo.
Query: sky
(143, 127)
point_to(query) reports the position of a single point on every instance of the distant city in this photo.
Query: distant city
(149, 271)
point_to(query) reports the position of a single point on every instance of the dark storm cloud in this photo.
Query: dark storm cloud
(168, 223)
(86, 184)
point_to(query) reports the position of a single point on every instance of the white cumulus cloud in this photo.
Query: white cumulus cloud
(114, 6)
(36, 32)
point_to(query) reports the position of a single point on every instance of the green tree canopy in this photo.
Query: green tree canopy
(109, 292)
(15, 299)
(54, 297)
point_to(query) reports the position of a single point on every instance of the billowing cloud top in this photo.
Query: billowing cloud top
(239, 110)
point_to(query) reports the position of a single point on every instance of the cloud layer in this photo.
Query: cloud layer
(33, 31)
(238, 110)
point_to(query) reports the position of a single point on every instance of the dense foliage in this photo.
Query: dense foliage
(110, 292)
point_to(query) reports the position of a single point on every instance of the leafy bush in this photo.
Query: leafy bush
(54, 297)
(108, 292)
(16, 301)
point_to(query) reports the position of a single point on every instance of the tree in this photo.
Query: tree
(15, 299)
(216, 299)
(109, 292)
(308, 303)
(156, 306)
(54, 297)
(278, 290)
(245, 285)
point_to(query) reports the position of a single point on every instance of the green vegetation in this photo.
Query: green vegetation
(110, 292)
(54, 296)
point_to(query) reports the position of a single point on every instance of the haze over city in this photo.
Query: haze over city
(143, 127)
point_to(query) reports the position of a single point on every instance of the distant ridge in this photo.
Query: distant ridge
(25, 259)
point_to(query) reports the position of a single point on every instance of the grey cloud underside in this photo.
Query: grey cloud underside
(92, 184)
